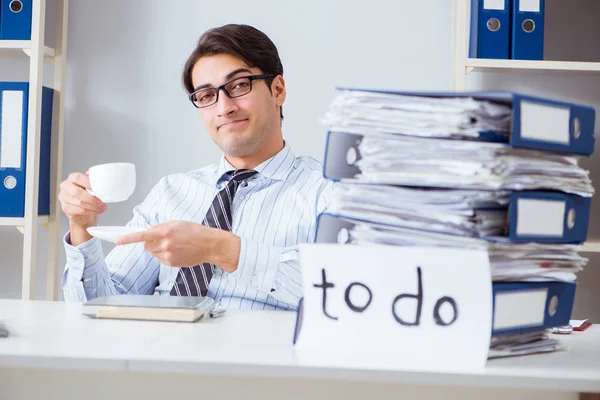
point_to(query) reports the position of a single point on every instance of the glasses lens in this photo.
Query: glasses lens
(205, 97)
(238, 87)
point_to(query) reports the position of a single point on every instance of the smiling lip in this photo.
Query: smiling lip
(232, 123)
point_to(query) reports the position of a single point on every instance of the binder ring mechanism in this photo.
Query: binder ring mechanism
(351, 155)
(571, 218)
(10, 182)
(343, 236)
(16, 6)
(553, 306)
(493, 24)
(528, 25)
(576, 128)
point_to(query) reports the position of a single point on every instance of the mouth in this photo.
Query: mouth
(232, 124)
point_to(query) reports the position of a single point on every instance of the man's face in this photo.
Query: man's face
(240, 126)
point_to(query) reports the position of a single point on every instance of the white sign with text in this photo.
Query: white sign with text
(382, 306)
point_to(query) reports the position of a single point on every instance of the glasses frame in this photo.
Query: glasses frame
(222, 87)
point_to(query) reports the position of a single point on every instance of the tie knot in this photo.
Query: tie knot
(242, 174)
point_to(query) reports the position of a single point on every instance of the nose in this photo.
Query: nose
(225, 105)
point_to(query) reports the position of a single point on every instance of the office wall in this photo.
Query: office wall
(124, 100)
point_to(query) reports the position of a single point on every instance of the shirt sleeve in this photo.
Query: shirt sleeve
(126, 269)
(276, 270)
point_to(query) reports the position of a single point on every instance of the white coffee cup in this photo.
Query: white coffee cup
(112, 182)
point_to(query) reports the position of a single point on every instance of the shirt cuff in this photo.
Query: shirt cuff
(83, 260)
(258, 264)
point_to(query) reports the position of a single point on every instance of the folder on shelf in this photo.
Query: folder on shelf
(536, 123)
(527, 42)
(14, 112)
(490, 29)
(518, 307)
(15, 19)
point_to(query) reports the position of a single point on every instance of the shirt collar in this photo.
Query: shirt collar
(276, 167)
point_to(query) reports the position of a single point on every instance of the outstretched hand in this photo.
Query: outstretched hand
(187, 244)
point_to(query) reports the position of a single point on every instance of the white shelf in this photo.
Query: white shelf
(35, 52)
(42, 220)
(567, 67)
(591, 247)
(14, 48)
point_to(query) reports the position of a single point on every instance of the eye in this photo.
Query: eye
(241, 85)
(206, 97)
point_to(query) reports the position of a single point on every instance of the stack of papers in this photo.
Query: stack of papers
(508, 261)
(369, 113)
(524, 343)
(462, 164)
(459, 212)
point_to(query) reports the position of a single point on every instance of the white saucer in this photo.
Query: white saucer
(112, 233)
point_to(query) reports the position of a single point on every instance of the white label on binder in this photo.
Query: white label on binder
(540, 217)
(520, 309)
(544, 123)
(11, 131)
(494, 4)
(529, 6)
(395, 306)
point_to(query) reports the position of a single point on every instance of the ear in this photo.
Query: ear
(278, 90)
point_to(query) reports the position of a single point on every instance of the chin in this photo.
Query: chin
(238, 149)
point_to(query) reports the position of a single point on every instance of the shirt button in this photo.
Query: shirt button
(254, 278)
(90, 257)
(219, 271)
(242, 197)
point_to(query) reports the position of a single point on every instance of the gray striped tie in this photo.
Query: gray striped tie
(194, 281)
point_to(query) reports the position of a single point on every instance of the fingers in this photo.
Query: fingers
(78, 196)
(75, 200)
(149, 235)
(153, 246)
(80, 179)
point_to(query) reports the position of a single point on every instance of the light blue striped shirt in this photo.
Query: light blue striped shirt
(274, 212)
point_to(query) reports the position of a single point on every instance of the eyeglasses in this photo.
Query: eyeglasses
(237, 87)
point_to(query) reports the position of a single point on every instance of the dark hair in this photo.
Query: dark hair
(241, 41)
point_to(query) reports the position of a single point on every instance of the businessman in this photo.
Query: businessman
(228, 231)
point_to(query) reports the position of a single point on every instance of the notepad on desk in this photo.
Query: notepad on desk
(152, 308)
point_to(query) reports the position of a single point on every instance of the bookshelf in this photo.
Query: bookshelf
(37, 53)
(462, 66)
(22, 48)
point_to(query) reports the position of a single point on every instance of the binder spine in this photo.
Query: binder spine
(520, 307)
(553, 126)
(490, 29)
(548, 217)
(341, 154)
(45, 151)
(528, 30)
(13, 136)
(473, 30)
(13, 176)
(15, 19)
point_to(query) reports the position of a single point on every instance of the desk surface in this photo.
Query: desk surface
(56, 335)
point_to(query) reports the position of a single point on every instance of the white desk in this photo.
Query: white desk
(55, 352)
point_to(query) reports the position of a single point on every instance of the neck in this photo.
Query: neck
(253, 160)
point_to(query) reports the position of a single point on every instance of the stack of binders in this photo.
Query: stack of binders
(507, 29)
(14, 100)
(483, 170)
